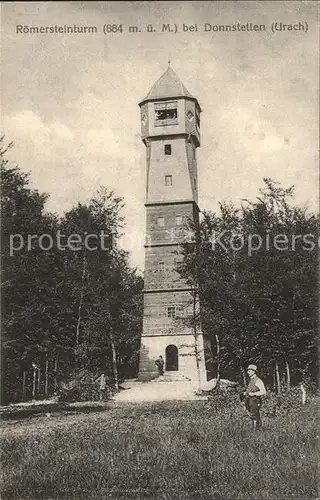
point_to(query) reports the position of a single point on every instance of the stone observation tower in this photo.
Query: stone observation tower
(170, 131)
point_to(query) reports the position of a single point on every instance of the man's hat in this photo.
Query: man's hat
(252, 367)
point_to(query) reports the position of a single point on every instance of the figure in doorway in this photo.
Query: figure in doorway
(160, 364)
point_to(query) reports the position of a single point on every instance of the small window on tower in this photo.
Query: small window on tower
(161, 267)
(167, 149)
(179, 220)
(172, 312)
(177, 264)
(161, 221)
(168, 180)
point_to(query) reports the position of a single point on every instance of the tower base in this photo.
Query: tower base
(179, 355)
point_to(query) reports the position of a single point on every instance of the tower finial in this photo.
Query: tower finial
(169, 62)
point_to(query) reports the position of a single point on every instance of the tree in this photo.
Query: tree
(101, 287)
(258, 302)
(283, 280)
(69, 297)
(26, 301)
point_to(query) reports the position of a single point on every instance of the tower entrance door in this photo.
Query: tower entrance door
(172, 358)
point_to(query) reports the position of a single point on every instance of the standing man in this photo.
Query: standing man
(255, 390)
(160, 364)
(102, 386)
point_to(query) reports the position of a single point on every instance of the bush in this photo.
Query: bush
(226, 401)
(222, 400)
(81, 385)
(282, 404)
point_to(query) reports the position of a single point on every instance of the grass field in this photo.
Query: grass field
(169, 450)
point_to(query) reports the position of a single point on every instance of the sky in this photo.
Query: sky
(69, 102)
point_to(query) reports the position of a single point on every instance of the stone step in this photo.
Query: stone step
(172, 377)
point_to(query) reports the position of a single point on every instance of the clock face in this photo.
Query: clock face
(144, 119)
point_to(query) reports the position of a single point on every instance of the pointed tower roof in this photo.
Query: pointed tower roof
(167, 86)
